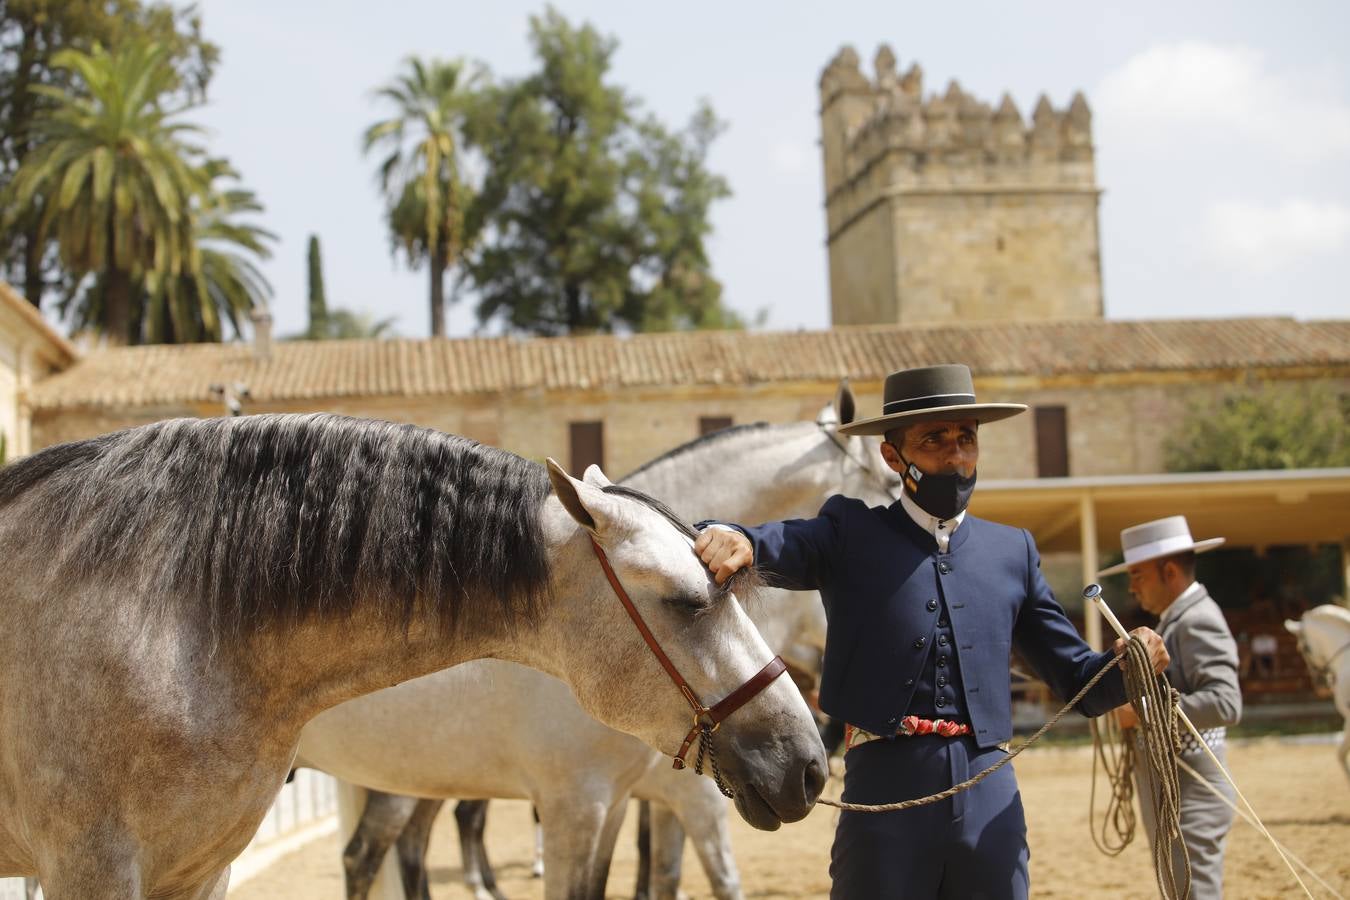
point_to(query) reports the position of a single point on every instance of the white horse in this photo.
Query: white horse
(747, 473)
(180, 599)
(1324, 640)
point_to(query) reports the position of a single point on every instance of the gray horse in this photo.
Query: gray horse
(181, 598)
(746, 473)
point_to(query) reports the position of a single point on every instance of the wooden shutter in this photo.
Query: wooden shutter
(709, 424)
(1052, 442)
(588, 445)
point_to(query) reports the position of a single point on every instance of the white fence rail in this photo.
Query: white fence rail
(305, 808)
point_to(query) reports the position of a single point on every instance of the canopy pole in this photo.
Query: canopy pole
(1087, 530)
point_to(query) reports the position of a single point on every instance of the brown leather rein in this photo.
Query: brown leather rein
(707, 719)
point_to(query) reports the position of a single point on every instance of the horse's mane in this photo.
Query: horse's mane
(285, 518)
(700, 442)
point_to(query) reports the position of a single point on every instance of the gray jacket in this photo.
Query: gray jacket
(1204, 660)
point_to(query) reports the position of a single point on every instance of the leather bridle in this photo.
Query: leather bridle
(707, 719)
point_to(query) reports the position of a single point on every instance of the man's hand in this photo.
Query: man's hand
(1126, 716)
(724, 551)
(1157, 653)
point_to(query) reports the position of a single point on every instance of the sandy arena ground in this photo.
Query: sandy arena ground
(1297, 788)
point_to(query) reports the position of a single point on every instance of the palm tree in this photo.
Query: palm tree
(114, 176)
(420, 174)
(226, 282)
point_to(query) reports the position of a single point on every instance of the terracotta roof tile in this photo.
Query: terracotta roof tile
(303, 370)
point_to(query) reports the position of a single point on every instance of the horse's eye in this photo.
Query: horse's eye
(689, 603)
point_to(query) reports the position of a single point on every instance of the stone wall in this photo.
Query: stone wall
(1117, 425)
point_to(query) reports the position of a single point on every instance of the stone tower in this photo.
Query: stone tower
(943, 209)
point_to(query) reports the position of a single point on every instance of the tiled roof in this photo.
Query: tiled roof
(304, 370)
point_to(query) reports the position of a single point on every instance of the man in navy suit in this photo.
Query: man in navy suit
(925, 604)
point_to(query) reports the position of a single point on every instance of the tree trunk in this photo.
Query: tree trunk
(573, 294)
(33, 282)
(438, 294)
(117, 307)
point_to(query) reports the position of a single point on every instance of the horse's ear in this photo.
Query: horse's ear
(594, 476)
(844, 404)
(1292, 626)
(577, 497)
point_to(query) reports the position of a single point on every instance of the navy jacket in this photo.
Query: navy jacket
(880, 575)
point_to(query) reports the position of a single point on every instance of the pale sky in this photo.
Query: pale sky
(1222, 132)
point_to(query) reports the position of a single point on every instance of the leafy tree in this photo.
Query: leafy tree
(32, 32)
(1264, 427)
(420, 175)
(591, 216)
(114, 176)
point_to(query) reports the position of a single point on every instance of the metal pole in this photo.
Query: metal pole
(1087, 525)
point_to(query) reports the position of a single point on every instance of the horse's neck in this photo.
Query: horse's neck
(308, 668)
(754, 475)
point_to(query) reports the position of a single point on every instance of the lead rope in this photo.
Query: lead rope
(976, 779)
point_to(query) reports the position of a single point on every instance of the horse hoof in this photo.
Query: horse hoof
(538, 870)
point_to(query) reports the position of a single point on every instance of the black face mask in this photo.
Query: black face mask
(943, 496)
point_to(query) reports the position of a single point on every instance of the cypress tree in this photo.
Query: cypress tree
(318, 304)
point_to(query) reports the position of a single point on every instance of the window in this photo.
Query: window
(588, 445)
(709, 424)
(1052, 442)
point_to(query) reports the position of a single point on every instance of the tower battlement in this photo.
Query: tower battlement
(915, 173)
(947, 138)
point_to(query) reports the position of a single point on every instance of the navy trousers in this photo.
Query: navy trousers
(973, 845)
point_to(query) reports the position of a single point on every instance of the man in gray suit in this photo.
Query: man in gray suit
(1160, 558)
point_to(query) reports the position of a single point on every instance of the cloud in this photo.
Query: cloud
(1224, 92)
(1253, 238)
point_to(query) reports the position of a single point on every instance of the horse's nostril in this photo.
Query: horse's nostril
(813, 779)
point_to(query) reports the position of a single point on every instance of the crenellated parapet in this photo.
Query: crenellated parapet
(883, 132)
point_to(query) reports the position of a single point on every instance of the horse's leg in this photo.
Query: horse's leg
(644, 849)
(381, 823)
(580, 828)
(703, 812)
(412, 849)
(471, 817)
(666, 840)
(1344, 750)
(537, 870)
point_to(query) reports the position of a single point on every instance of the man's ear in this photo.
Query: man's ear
(585, 503)
(594, 476)
(892, 456)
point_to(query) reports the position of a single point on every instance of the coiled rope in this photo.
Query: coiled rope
(1154, 701)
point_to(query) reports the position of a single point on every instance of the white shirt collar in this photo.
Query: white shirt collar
(940, 529)
(1170, 614)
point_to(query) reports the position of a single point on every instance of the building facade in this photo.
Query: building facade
(30, 350)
